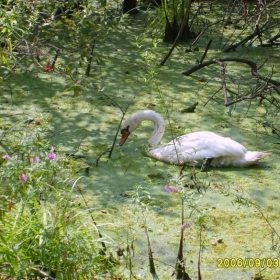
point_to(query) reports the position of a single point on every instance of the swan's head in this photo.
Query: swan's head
(125, 133)
(133, 121)
(128, 126)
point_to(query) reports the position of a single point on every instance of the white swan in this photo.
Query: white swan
(192, 148)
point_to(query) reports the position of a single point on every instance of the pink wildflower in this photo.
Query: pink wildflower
(36, 159)
(7, 157)
(23, 178)
(51, 155)
(171, 189)
(185, 225)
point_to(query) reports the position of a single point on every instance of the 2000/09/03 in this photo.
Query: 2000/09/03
(247, 262)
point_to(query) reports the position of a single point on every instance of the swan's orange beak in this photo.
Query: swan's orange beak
(125, 134)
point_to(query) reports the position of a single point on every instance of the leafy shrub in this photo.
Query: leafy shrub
(44, 230)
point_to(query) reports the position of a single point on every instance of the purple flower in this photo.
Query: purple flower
(23, 178)
(185, 225)
(171, 189)
(51, 156)
(7, 157)
(36, 159)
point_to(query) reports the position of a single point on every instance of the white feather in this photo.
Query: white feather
(194, 148)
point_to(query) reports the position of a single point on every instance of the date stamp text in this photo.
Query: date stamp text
(247, 262)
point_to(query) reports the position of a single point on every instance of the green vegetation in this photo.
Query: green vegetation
(76, 206)
(44, 230)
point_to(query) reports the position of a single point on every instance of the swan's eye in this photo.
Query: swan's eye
(125, 129)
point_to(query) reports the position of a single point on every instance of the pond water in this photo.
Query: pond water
(238, 207)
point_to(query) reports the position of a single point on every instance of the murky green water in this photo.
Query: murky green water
(233, 228)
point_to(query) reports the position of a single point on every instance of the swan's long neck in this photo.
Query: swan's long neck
(135, 120)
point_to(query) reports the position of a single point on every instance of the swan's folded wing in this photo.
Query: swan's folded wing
(197, 146)
(209, 145)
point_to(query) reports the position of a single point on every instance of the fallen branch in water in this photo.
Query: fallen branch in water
(268, 85)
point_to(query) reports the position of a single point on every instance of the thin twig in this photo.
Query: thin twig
(14, 66)
(174, 143)
(119, 127)
(11, 128)
(95, 224)
(183, 26)
(180, 265)
(42, 272)
(117, 132)
(256, 32)
(206, 50)
(211, 97)
(223, 73)
(199, 255)
(90, 59)
(55, 58)
(99, 157)
(254, 71)
(151, 259)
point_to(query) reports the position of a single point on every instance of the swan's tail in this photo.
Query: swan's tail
(254, 157)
